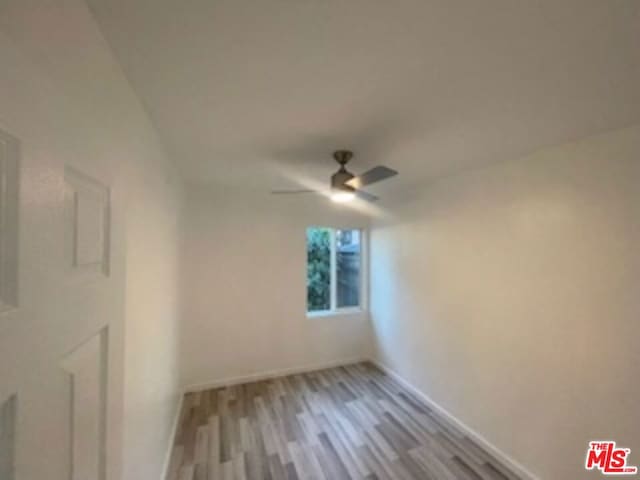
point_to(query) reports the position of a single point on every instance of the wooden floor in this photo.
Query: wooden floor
(350, 422)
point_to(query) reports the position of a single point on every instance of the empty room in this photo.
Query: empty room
(319, 239)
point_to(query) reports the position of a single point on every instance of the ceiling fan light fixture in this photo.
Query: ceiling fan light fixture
(342, 196)
(341, 193)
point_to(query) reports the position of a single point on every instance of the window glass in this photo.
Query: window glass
(334, 269)
(318, 269)
(347, 268)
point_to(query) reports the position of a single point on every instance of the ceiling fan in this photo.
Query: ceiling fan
(345, 186)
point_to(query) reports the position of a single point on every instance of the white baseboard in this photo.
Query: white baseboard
(265, 375)
(172, 437)
(499, 455)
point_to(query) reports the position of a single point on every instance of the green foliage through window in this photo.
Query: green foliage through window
(340, 251)
(318, 269)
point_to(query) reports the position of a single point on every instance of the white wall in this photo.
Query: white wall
(245, 295)
(509, 295)
(64, 97)
(152, 315)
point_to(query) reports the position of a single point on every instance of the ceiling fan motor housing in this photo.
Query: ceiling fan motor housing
(339, 179)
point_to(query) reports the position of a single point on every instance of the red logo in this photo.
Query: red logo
(604, 456)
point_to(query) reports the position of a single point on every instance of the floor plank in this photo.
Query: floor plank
(351, 423)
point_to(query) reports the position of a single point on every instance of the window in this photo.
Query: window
(334, 269)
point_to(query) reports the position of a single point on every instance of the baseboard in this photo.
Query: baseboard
(174, 431)
(265, 375)
(506, 460)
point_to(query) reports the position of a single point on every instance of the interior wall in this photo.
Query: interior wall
(152, 314)
(64, 97)
(509, 295)
(245, 296)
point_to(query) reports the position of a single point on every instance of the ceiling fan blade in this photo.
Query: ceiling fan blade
(361, 194)
(292, 192)
(374, 175)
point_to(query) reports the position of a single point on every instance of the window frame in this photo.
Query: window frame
(362, 277)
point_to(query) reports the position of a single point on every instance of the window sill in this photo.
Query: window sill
(335, 313)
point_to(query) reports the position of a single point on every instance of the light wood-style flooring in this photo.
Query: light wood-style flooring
(350, 422)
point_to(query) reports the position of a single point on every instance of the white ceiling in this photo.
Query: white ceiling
(250, 92)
